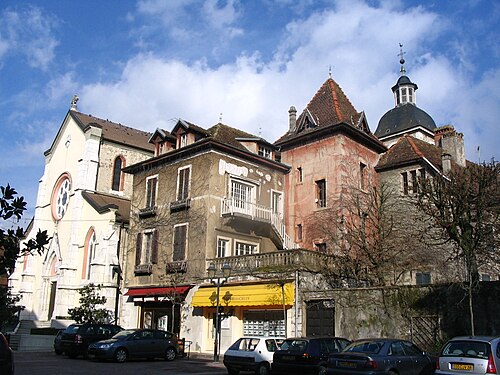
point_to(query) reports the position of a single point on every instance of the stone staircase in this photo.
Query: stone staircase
(23, 340)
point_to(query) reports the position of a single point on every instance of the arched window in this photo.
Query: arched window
(89, 253)
(117, 184)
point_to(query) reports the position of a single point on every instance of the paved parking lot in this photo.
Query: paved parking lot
(48, 363)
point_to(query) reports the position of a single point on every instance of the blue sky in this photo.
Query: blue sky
(146, 63)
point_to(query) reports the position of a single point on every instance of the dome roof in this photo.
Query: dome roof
(401, 118)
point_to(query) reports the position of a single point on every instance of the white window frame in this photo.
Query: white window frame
(148, 203)
(246, 243)
(227, 249)
(179, 171)
(183, 140)
(91, 250)
(247, 205)
(264, 151)
(277, 206)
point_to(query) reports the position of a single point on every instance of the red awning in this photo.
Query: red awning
(148, 292)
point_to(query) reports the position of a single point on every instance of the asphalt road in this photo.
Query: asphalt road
(48, 363)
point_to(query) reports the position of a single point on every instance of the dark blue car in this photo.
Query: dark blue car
(380, 357)
(136, 343)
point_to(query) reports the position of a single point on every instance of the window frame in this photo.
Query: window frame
(118, 177)
(320, 193)
(227, 249)
(255, 245)
(250, 192)
(151, 198)
(89, 253)
(175, 244)
(183, 189)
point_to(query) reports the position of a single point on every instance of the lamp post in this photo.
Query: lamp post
(218, 281)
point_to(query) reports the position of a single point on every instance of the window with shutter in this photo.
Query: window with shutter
(180, 237)
(183, 176)
(138, 249)
(154, 247)
(151, 187)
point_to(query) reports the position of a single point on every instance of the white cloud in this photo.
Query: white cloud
(360, 42)
(28, 32)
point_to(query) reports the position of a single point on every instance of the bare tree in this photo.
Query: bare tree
(465, 207)
(372, 235)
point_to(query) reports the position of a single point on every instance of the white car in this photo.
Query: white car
(251, 354)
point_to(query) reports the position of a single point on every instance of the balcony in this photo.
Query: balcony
(147, 212)
(180, 205)
(143, 269)
(176, 267)
(286, 260)
(235, 207)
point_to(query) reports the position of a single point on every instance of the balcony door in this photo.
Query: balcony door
(243, 197)
(277, 203)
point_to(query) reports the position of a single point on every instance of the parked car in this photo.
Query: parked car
(308, 355)
(380, 356)
(136, 343)
(57, 342)
(76, 339)
(6, 357)
(470, 355)
(251, 354)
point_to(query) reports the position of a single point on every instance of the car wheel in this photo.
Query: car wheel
(321, 370)
(121, 355)
(231, 371)
(392, 373)
(263, 369)
(170, 354)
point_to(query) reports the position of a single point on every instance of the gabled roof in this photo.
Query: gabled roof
(410, 150)
(105, 202)
(114, 132)
(329, 106)
(220, 137)
(163, 134)
(188, 126)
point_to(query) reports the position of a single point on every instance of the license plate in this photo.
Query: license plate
(462, 366)
(347, 364)
(288, 357)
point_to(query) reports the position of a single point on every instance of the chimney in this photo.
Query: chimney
(446, 162)
(292, 116)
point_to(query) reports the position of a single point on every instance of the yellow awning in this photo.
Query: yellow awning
(244, 295)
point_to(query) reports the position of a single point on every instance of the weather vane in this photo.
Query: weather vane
(401, 55)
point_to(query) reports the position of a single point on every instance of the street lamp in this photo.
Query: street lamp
(218, 281)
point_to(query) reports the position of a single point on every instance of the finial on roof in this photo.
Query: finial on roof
(401, 59)
(73, 103)
(330, 72)
(220, 117)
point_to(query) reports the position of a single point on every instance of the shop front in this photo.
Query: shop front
(245, 310)
(159, 307)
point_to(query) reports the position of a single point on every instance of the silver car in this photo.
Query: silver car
(470, 355)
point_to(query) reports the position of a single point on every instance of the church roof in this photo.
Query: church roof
(410, 150)
(114, 132)
(402, 118)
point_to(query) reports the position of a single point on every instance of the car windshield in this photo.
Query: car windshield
(294, 345)
(365, 347)
(467, 348)
(123, 334)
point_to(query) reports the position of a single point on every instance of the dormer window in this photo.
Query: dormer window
(184, 140)
(265, 152)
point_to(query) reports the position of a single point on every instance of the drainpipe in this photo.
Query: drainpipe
(296, 312)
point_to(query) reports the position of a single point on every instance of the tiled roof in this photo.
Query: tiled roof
(228, 135)
(329, 106)
(105, 202)
(409, 149)
(115, 132)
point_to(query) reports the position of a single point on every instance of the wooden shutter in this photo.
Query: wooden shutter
(154, 247)
(180, 243)
(138, 249)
